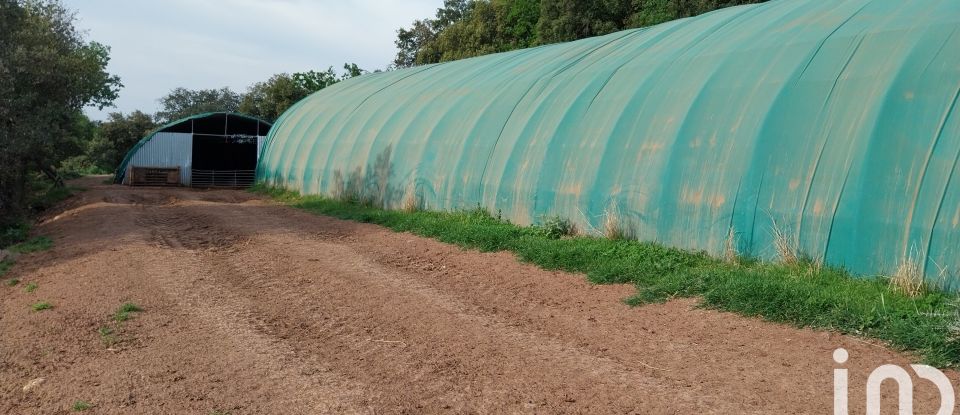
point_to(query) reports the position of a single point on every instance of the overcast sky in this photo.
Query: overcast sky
(159, 45)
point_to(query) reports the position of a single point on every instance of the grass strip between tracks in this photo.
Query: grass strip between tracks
(802, 293)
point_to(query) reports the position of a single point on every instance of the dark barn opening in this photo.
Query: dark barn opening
(225, 150)
(224, 153)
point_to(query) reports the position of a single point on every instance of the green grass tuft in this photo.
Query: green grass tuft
(123, 313)
(16, 232)
(107, 336)
(555, 227)
(12, 282)
(801, 293)
(130, 307)
(80, 406)
(5, 267)
(31, 287)
(40, 243)
(45, 195)
(41, 306)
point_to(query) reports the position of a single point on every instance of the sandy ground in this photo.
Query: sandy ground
(253, 308)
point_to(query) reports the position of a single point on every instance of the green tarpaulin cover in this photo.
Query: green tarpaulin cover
(835, 122)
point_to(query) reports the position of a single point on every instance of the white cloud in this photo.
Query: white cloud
(158, 46)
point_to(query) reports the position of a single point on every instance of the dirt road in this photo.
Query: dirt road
(250, 308)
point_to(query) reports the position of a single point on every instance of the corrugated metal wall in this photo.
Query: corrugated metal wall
(167, 150)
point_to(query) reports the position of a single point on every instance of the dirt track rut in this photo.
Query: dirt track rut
(251, 307)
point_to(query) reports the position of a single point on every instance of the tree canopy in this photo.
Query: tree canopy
(270, 98)
(116, 135)
(467, 28)
(48, 73)
(183, 102)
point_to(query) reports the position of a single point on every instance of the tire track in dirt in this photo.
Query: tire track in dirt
(230, 315)
(513, 347)
(595, 375)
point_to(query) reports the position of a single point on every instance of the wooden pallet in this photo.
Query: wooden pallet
(154, 176)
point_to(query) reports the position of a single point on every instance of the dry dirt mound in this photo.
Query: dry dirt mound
(256, 308)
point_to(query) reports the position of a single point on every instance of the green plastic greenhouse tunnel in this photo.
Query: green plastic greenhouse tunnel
(834, 123)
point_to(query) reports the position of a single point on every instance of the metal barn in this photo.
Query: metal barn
(206, 150)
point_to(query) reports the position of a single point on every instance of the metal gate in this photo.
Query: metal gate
(223, 178)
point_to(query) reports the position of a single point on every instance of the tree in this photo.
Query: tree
(414, 45)
(115, 136)
(312, 81)
(270, 98)
(463, 29)
(651, 12)
(48, 73)
(182, 103)
(72, 152)
(565, 20)
(452, 11)
(352, 71)
(489, 27)
(518, 24)
(410, 41)
(472, 36)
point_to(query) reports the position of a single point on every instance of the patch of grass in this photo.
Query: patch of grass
(784, 245)
(908, 279)
(123, 313)
(37, 244)
(730, 253)
(107, 336)
(14, 233)
(412, 201)
(796, 291)
(12, 282)
(108, 333)
(615, 226)
(44, 195)
(31, 287)
(555, 227)
(80, 406)
(43, 305)
(5, 266)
